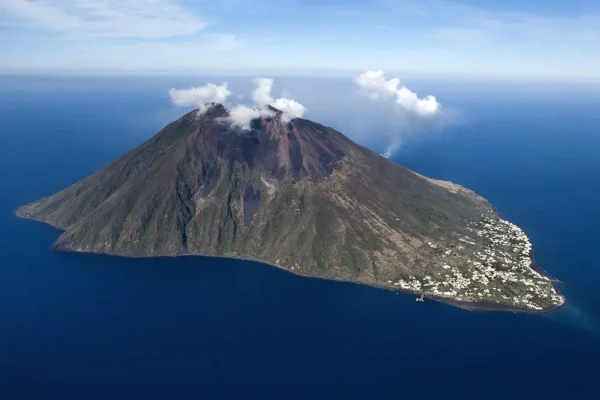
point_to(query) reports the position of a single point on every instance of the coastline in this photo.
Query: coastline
(534, 266)
(468, 306)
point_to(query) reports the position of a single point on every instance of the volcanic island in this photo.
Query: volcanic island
(305, 198)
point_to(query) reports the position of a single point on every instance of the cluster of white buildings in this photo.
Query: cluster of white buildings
(499, 272)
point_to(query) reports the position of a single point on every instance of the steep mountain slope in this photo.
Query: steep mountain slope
(305, 198)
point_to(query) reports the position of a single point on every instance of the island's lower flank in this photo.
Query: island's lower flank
(305, 198)
(472, 291)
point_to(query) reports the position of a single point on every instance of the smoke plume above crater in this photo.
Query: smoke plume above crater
(240, 115)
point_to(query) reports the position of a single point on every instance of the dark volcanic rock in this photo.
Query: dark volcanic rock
(298, 195)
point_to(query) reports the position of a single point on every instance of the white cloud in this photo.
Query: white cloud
(148, 19)
(200, 96)
(262, 97)
(290, 108)
(262, 94)
(241, 115)
(410, 115)
(375, 83)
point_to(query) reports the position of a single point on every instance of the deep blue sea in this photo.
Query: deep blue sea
(78, 326)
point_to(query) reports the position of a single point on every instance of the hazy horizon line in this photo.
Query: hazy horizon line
(301, 72)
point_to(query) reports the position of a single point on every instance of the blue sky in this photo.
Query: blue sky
(524, 39)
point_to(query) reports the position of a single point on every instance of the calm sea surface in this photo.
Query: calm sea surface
(81, 326)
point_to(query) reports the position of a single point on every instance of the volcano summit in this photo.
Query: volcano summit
(303, 197)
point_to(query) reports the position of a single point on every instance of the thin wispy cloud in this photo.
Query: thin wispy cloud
(442, 38)
(473, 38)
(147, 19)
(462, 22)
(224, 41)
